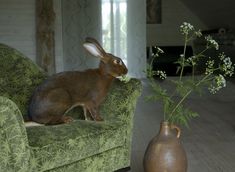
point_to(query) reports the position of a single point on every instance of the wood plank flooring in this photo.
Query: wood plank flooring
(210, 141)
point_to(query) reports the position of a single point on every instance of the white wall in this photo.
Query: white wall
(18, 28)
(220, 14)
(174, 13)
(136, 38)
(17, 25)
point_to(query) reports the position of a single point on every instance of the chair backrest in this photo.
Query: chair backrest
(19, 76)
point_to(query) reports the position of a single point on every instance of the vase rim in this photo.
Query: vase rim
(165, 123)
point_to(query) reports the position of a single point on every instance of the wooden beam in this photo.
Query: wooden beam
(45, 35)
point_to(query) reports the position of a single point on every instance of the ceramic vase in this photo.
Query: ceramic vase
(165, 152)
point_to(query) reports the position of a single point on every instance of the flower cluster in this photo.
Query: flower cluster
(218, 83)
(222, 56)
(192, 60)
(158, 51)
(210, 66)
(211, 42)
(185, 28)
(227, 66)
(198, 33)
(161, 74)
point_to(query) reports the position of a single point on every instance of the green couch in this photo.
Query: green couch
(81, 146)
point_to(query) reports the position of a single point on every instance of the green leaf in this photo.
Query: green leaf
(182, 116)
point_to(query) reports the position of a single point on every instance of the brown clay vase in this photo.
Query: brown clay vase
(165, 152)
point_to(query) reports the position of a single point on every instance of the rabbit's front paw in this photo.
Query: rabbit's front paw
(67, 119)
(98, 118)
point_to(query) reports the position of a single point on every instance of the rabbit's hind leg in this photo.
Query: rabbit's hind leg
(54, 106)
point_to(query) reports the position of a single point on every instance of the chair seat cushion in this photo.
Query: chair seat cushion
(58, 145)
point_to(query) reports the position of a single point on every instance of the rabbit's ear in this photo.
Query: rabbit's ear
(94, 41)
(93, 46)
(93, 49)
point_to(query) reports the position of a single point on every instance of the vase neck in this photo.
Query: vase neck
(165, 128)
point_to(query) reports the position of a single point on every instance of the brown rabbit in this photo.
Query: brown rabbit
(63, 91)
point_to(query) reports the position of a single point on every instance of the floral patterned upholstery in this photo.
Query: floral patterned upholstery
(18, 77)
(83, 146)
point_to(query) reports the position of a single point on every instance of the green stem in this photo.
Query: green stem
(151, 63)
(193, 72)
(193, 66)
(179, 103)
(209, 79)
(182, 65)
(186, 95)
(203, 51)
(164, 112)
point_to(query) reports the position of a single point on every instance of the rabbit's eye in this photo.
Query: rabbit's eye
(117, 62)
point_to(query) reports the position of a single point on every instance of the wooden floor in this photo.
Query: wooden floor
(210, 141)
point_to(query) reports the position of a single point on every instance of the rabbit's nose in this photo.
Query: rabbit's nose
(124, 72)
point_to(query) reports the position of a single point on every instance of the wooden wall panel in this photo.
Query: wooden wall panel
(45, 35)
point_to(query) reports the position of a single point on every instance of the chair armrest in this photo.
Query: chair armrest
(119, 107)
(120, 103)
(14, 148)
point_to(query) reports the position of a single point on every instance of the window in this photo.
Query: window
(114, 27)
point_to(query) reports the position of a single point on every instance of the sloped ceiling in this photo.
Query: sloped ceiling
(214, 13)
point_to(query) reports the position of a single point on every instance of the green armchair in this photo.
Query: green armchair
(81, 146)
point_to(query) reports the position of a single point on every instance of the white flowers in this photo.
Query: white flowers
(227, 61)
(192, 60)
(185, 28)
(226, 66)
(216, 69)
(211, 42)
(222, 56)
(198, 33)
(161, 74)
(210, 66)
(218, 83)
(158, 51)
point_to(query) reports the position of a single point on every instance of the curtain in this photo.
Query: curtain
(120, 25)
(80, 18)
(114, 27)
(124, 32)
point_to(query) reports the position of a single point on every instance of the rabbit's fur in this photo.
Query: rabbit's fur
(65, 90)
